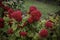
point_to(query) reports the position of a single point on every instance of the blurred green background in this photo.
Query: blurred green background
(43, 7)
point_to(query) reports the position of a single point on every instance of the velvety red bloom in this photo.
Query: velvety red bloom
(10, 31)
(43, 33)
(32, 8)
(6, 8)
(36, 15)
(30, 20)
(49, 24)
(10, 11)
(23, 34)
(1, 23)
(17, 15)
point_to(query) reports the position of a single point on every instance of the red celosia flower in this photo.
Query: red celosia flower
(10, 11)
(36, 15)
(6, 8)
(1, 23)
(23, 34)
(43, 33)
(32, 8)
(30, 20)
(10, 31)
(49, 24)
(17, 15)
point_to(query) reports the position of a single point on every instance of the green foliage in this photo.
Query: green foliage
(1, 12)
(31, 29)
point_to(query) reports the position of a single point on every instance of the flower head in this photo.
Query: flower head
(10, 31)
(49, 24)
(10, 11)
(36, 15)
(32, 8)
(17, 15)
(30, 20)
(1, 23)
(23, 33)
(43, 33)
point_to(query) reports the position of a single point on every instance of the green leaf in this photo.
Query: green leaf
(6, 26)
(14, 26)
(6, 19)
(17, 33)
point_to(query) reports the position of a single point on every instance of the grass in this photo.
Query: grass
(43, 7)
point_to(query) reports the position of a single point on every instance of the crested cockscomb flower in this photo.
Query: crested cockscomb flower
(10, 31)
(32, 8)
(49, 24)
(36, 15)
(10, 11)
(6, 8)
(30, 20)
(17, 15)
(23, 34)
(43, 33)
(1, 23)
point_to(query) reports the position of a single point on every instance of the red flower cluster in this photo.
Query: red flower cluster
(36, 15)
(32, 8)
(43, 33)
(6, 8)
(10, 11)
(30, 20)
(49, 24)
(1, 23)
(23, 33)
(10, 31)
(17, 15)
